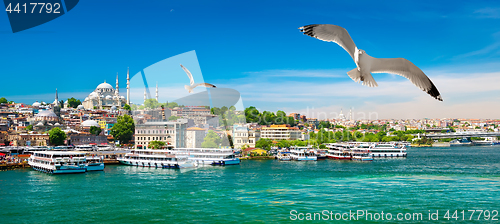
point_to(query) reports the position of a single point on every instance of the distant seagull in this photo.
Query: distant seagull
(367, 64)
(191, 83)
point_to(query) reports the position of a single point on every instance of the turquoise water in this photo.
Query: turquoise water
(459, 178)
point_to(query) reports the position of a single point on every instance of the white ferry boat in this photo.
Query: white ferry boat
(94, 163)
(361, 155)
(58, 162)
(303, 154)
(159, 158)
(361, 152)
(84, 148)
(387, 150)
(284, 156)
(104, 148)
(208, 156)
(338, 151)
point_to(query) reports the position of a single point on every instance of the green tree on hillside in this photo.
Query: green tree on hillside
(57, 136)
(95, 130)
(127, 107)
(156, 144)
(264, 143)
(124, 129)
(212, 140)
(3, 100)
(72, 102)
(29, 127)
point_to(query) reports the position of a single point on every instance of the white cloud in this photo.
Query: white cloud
(464, 94)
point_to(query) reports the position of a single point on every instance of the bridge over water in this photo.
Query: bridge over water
(462, 135)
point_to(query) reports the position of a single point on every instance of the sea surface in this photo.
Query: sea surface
(428, 180)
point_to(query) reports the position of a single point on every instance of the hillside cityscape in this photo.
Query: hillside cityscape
(106, 118)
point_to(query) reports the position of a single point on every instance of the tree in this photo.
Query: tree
(171, 105)
(212, 140)
(61, 102)
(173, 118)
(3, 100)
(151, 104)
(95, 130)
(156, 144)
(72, 102)
(57, 136)
(29, 127)
(124, 129)
(230, 139)
(127, 107)
(264, 143)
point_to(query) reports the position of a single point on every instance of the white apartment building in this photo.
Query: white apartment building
(245, 136)
(280, 132)
(172, 133)
(194, 137)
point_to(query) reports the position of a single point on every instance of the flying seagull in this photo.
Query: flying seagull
(191, 83)
(367, 64)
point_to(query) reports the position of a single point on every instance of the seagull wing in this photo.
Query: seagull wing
(331, 33)
(191, 82)
(205, 85)
(405, 68)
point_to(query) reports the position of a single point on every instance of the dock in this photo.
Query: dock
(10, 166)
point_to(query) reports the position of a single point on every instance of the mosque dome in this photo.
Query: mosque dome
(86, 99)
(104, 87)
(93, 95)
(46, 113)
(57, 124)
(90, 123)
(109, 97)
(39, 124)
(80, 107)
(36, 104)
(113, 108)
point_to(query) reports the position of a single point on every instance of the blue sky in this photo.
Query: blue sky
(256, 48)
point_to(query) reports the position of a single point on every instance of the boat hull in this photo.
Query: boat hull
(95, 167)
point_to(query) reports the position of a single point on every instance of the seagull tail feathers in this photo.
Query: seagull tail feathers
(369, 81)
(355, 75)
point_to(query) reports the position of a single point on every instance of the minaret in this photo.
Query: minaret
(117, 89)
(128, 87)
(350, 114)
(57, 99)
(157, 92)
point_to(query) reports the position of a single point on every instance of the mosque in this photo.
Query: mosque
(105, 97)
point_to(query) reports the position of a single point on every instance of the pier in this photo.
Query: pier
(10, 166)
(462, 135)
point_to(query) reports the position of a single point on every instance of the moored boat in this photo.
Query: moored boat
(338, 151)
(58, 162)
(387, 150)
(158, 158)
(94, 163)
(208, 156)
(302, 154)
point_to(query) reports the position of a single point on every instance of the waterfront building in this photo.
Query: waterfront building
(281, 132)
(171, 132)
(194, 137)
(245, 136)
(26, 139)
(105, 97)
(86, 139)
